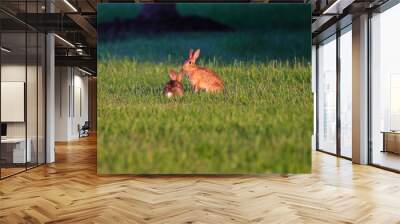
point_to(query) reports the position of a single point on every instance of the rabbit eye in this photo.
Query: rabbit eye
(190, 62)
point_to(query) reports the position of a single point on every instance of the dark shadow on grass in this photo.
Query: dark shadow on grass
(155, 19)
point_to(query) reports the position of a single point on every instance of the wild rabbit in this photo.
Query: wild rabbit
(201, 78)
(174, 86)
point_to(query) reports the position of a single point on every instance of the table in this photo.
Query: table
(15, 148)
(391, 141)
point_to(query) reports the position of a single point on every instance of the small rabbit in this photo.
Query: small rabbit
(201, 78)
(174, 86)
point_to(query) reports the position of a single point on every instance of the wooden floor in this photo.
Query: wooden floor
(69, 191)
(387, 159)
(5, 172)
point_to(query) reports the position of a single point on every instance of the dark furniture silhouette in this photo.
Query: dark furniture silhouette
(84, 129)
(391, 141)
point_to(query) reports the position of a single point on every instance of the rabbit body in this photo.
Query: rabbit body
(174, 86)
(201, 78)
(205, 79)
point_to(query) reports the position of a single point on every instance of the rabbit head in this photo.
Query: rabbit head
(190, 62)
(175, 76)
(174, 86)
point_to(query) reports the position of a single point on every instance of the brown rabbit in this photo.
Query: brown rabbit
(174, 86)
(201, 78)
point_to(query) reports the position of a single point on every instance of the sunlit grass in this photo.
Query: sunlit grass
(261, 123)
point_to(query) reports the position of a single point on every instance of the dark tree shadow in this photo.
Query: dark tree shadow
(158, 18)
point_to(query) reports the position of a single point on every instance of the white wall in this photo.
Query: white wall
(385, 90)
(71, 87)
(386, 68)
(13, 72)
(62, 82)
(33, 127)
(9, 73)
(360, 89)
(314, 91)
(346, 75)
(81, 94)
(16, 73)
(327, 95)
(13, 101)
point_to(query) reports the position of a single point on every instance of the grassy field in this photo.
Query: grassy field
(262, 122)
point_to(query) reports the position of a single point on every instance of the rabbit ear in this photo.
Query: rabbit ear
(190, 53)
(172, 75)
(196, 54)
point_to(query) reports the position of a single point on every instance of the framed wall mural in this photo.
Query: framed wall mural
(204, 88)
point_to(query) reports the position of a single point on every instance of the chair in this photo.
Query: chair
(84, 130)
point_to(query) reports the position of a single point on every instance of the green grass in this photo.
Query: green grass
(262, 123)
